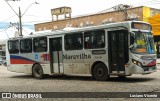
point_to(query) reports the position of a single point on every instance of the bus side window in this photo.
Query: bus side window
(40, 44)
(86, 43)
(73, 41)
(13, 46)
(94, 39)
(26, 45)
(100, 40)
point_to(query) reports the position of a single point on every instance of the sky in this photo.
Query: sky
(37, 13)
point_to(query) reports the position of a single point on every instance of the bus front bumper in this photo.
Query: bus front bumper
(142, 70)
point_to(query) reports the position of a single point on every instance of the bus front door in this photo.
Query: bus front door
(55, 49)
(118, 51)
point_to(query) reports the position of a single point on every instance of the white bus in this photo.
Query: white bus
(121, 49)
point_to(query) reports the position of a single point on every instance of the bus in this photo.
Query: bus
(120, 49)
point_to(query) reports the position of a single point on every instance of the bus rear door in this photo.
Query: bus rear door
(55, 49)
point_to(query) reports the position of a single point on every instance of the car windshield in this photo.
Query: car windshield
(142, 42)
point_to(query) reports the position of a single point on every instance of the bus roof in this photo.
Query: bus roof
(72, 29)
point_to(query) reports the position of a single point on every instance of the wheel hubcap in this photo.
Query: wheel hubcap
(100, 72)
(37, 71)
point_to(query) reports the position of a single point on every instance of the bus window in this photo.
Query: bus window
(13, 46)
(94, 39)
(26, 45)
(56, 44)
(40, 44)
(73, 41)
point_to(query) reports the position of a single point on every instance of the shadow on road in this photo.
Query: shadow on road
(22, 76)
(130, 79)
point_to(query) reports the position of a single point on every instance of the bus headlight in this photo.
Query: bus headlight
(137, 63)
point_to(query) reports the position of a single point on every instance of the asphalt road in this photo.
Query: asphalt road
(19, 82)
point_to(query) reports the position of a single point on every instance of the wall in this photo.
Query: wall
(95, 19)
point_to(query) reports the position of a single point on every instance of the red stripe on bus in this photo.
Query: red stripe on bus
(18, 61)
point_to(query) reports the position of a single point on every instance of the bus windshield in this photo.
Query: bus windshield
(142, 42)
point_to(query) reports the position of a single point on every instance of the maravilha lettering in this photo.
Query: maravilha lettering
(79, 56)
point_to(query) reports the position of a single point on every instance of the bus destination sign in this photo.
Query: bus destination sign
(142, 26)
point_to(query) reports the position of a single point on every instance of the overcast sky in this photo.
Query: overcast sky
(42, 12)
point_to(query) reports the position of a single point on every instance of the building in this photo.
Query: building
(115, 14)
(154, 21)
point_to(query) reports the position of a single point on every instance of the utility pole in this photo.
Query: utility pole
(19, 15)
(20, 22)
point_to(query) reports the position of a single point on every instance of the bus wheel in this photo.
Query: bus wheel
(100, 72)
(37, 71)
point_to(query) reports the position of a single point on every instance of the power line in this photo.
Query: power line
(149, 1)
(6, 34)
(37, 21)
(19, 15)
(4, 29)
(25, 31)
(7, 19)
(39, 16)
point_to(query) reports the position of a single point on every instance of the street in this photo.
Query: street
(19, 82)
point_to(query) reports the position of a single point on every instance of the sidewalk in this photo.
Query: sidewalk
(158, 64)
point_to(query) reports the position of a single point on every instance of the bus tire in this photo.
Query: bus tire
(37, 71)
(100, 72)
